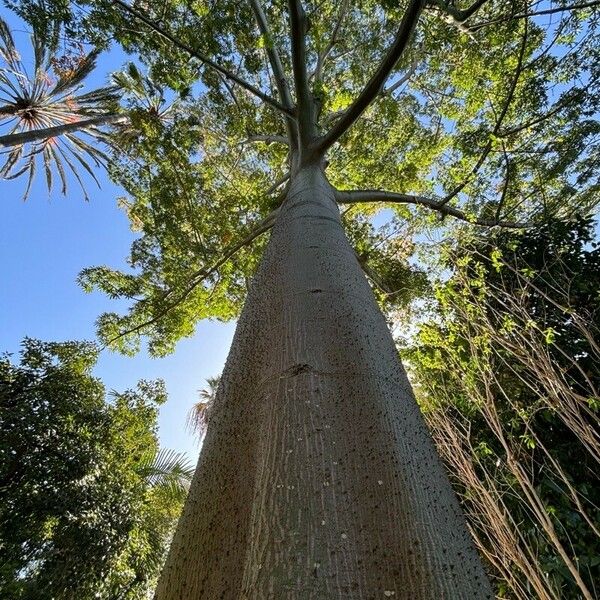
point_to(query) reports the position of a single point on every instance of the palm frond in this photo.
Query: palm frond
(166, 467)
(82, 162)
(47, 156)
(70, 79)
(198, 418)
(74, 170)
(32, 169)
(8, 50)
(13, 157)
(59, 166)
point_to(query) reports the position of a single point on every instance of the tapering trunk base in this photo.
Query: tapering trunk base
(318, 478)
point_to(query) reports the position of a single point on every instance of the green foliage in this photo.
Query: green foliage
(87, 500)
(506, 368)
(384, 253)
(496, 116)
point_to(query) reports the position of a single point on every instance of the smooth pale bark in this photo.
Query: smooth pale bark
(318, 478)
(37, 135)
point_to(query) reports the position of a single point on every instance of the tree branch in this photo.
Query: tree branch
(506, 183)
(199, 276)
(303, 96)
(525, 15)
(557, 108)
(375, 84)
(205, 59)
(384, 92)
(406, 77)
(276, 64)
(322, 57)
(356, 196)
(267, 139)
(277, 184)
(457, 15)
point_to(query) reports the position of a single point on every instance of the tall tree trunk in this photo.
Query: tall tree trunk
(36, 135)
(318, 478)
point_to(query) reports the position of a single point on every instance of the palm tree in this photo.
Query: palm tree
(199, 415)
(45, 114)
(144, 96)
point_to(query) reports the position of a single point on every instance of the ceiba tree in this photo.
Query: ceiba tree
(317, 477)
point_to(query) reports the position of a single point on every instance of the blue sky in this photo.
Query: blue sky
(44, 244)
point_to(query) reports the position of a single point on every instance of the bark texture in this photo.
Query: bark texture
(318, 478)
(37, 135)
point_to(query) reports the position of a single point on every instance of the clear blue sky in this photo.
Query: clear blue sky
(44, 244)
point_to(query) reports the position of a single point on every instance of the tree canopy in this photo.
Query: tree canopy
(87, 500)
(485, 113)
(451, 117)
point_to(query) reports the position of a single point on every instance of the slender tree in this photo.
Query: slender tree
(46, 116)
(199, 415)
(317, 477)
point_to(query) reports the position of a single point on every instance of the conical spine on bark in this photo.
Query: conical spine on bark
(318, 478)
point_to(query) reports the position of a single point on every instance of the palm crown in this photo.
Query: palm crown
(47, 102)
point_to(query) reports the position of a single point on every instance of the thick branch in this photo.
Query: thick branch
(375, 84)
(303, 95)
(356, 196)
(204, 59)
(458, 15)
(275, 62)
(387, 92)
(35, 135)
